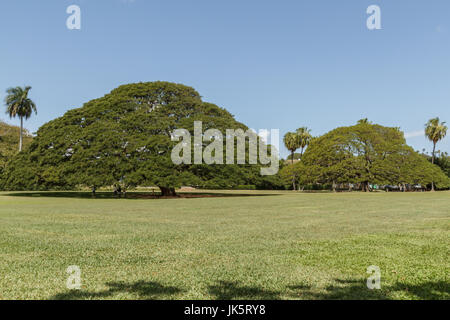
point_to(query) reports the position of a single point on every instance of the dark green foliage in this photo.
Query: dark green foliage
(9, 140)
(442, 161)
(124, 138)
(365, 154)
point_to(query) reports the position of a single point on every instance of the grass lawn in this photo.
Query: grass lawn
(271, 245)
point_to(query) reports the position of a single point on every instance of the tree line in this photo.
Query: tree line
(123, 139)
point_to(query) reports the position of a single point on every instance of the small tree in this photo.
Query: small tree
(435, 131)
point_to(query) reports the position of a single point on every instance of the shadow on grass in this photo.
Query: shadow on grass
(342, 290)
(428, 290)
(357, 290)
(228, 290)
(143, 289)
(231, 290)
(129, 195)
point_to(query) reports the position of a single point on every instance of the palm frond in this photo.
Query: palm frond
(435, 130)
(18, 103)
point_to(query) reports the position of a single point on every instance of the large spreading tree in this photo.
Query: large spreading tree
(125, 138)
(365, 154)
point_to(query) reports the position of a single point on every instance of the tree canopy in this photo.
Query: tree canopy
(442, 161)
(9, 139)
(365, 153)
(125, 137)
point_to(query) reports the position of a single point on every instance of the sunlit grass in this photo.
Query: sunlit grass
(283, 246)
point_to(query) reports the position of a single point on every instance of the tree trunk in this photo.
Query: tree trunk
(432, 161)
(366, 186)
(293, 174)
(168, 192)
(21, 134)
(434, 149)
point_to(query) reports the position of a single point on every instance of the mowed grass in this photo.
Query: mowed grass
(271, 245)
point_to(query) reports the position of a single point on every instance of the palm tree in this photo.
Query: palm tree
(291, 142)
(435, 131)
(305, 138)
(18, 104)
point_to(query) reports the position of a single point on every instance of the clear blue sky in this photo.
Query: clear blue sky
(273, 64)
